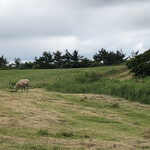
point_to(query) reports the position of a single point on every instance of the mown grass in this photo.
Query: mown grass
(50, 120)
(46, 120)
(29, 146)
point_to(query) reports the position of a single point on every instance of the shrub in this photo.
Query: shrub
(140, 64)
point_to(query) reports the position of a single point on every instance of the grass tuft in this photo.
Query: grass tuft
(114, 105)
(67, 133)
(43, 132)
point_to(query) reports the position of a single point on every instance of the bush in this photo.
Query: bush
(140, 64)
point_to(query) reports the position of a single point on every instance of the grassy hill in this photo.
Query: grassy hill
(80, 116)
(110, 80)
(36, 76)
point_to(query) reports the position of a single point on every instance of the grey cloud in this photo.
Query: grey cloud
(100, 3)
(38, 25)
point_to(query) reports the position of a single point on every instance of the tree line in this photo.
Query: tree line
(57, 59)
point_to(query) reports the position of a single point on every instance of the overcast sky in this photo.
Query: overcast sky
(29, 27)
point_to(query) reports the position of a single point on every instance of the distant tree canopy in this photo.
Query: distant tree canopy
(140, 64)
(58, 59)
(44, 62)
(3, 62)
(17, 62)
(109, 57)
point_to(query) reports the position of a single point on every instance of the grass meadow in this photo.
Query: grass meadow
(114, 80)
(72, 109)
(38, 77)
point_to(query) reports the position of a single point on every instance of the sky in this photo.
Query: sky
(30, 27)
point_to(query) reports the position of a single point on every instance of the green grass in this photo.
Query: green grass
(77, 116)
(127, 89)
(38, 77)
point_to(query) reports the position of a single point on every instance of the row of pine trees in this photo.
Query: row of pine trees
(57, 59)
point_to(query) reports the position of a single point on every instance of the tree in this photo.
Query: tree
(45, 61)
(140, 64)
(58, 59)
(27, 65)
(109, 57)
(17, 62)
(3, 62)
(134, 53)
(85, 62)
(76, 59)
(119, 57)
(67, 57)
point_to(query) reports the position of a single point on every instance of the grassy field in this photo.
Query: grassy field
(36, 76)
(114, 80)
(77, 117)
(42, 120)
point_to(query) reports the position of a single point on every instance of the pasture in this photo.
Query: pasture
(36, 76)
(50, 117)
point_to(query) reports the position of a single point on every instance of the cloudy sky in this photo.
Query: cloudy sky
(29, 27)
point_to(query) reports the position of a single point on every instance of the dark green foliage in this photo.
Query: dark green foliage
(17, 62)
(29, 65)
(109, 58)
(3, 63)
(67, 57)
(85, 62)
(44, 61)
(76, 57)
(140, 64)
(58, 59)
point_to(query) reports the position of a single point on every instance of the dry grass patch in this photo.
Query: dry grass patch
(47, 120)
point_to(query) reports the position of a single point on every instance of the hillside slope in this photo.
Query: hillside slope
(38, 77)
(42, 120)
